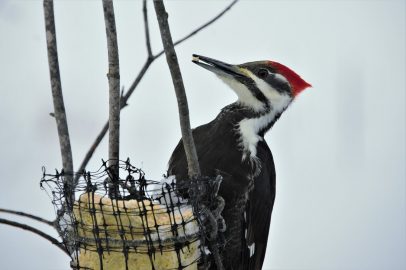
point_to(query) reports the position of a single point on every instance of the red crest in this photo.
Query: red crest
(296, 82)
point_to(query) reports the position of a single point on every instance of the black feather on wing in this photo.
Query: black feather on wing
(259, 209)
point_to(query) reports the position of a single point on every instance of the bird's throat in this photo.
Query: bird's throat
(252, 130)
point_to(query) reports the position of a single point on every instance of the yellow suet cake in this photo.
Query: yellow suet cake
(131, 219)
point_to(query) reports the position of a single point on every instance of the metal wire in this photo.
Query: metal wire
(148, 225)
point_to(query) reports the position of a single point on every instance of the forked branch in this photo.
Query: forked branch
(60, 114)
(142, 72)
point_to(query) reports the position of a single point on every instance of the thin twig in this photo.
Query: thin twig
(36, 231)
(197, 30)
(92, 149)
(172, 59)
(137, 80)
(23, 214)
(146, 27)
(59, 107)
(114, 93)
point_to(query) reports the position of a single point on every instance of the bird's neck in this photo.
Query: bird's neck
(250, 126)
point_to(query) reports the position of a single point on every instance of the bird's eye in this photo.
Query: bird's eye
(263, 73)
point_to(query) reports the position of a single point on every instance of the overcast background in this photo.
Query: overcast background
(339, 150)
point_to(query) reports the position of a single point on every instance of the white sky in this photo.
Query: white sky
(339, 150)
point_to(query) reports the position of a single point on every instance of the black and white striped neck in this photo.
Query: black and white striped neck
(251, 125)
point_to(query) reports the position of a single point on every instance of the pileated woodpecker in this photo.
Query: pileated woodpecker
(233, 146)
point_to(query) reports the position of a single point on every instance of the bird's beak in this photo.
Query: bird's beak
(218, 67)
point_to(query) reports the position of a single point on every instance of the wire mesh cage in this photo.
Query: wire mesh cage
(145, 224)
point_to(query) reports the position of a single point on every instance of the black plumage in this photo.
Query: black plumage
(233, 146)
(219, 151)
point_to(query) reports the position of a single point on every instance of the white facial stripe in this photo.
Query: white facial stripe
(249, 128)
(244, 94)
(279, 101)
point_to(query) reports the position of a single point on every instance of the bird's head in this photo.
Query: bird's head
(261, 85)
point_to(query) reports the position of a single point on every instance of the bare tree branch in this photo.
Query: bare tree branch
(36, 231)
(197, 30)
(172, 59)
(92, 149)
(139, 77)
(137, 81)
(59, 107)
(146, 27)
(114, 93)
(23, 214)
(187, 137)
